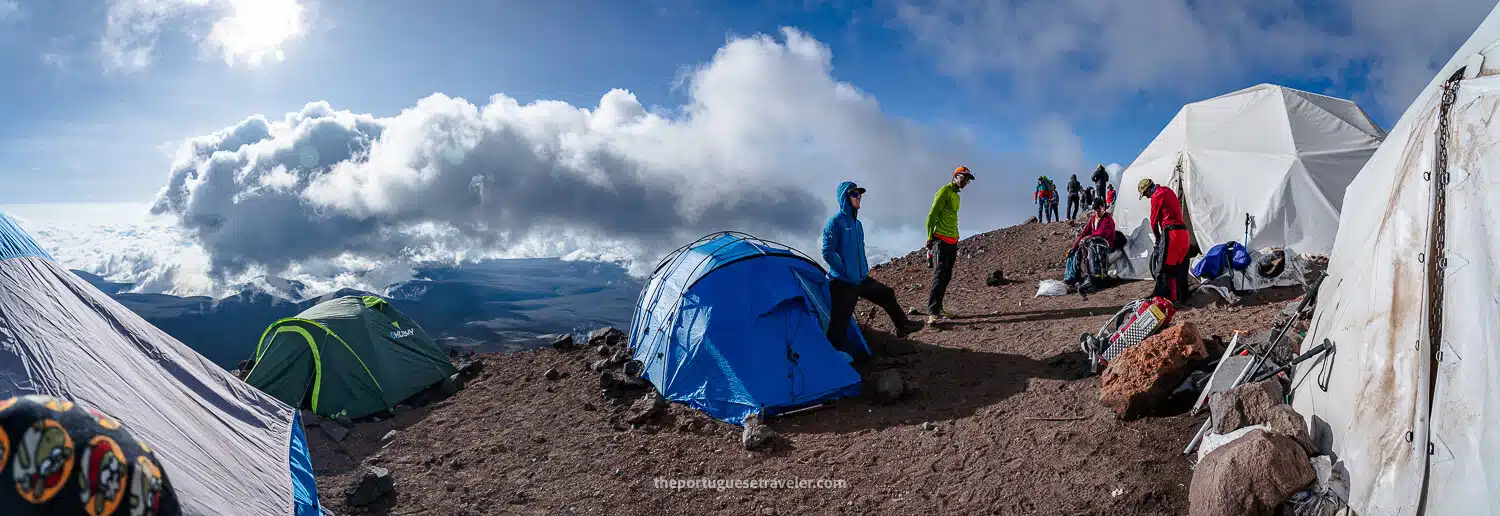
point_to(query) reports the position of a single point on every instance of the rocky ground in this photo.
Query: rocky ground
(1006, 419)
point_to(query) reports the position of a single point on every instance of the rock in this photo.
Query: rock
(612, 380)
(373, 482)
(388, 437)
(344, 421)
(1031, 220)
(589, 407)
(603, 351)
(309, 418)
(1139, 380)
(888, 386)
(620, 357)
(469, 367)
(768, 512)
(334, 430)
(1246, 405)
(645, 409)
(1251, 475)
(552, 374)
(756, 433)
(564, 342)
(1284, 420)
(928, 426)
(995, 278)
(608, 336)
(599, 365)
(452, 384)
(634, 368)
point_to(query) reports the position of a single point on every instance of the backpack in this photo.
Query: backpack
(1220, 259)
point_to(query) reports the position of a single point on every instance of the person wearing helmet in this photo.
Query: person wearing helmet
(1169, 257)
(849, 278)
(942, 232)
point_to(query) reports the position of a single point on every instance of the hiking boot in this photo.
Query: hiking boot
(932, 319)
(909, 328)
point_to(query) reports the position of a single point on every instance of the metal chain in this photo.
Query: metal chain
(1438, 261)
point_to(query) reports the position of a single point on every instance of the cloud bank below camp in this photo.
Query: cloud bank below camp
(765, 136)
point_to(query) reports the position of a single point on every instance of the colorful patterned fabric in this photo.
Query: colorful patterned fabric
(60, 458)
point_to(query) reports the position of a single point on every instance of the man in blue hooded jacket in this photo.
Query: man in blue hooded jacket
(848, 274)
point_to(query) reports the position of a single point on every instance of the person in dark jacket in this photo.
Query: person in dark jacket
(1075, 194)
(848, 275)
(1101, 179)
(1169, 258)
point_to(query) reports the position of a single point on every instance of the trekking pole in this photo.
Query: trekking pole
(1326, 346)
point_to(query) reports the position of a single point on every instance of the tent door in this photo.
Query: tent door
(1179, 184)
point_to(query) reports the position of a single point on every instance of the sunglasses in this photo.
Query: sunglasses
(856, 195)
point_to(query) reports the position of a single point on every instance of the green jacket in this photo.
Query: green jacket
(942, 219)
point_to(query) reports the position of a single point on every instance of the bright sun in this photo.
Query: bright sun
(255, 30)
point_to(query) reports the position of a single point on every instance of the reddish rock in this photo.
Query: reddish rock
(1252, 475)
(1258, 403)
(1142, 377)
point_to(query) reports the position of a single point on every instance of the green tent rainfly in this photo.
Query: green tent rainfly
(347, 357)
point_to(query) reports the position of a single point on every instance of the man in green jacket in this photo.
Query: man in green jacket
(942, 231)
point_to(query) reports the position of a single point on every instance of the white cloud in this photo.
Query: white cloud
(1101, 51)
(766, 136)
(243, 31)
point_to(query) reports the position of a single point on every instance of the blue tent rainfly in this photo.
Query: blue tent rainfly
(734, 325)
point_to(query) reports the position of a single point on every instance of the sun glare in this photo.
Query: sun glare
(255, 30)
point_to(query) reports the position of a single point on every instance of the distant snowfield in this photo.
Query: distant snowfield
(123, 242)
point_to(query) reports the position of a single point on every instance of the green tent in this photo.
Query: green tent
(348, 357)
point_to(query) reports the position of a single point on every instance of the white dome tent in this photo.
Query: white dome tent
(1279, 155)
(1409, 401)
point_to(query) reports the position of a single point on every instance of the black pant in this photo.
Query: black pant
(941, 275)
(844, 297)
(1072, 207)
(1099, 187)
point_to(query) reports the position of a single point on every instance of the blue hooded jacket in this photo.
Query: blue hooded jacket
(844, 242)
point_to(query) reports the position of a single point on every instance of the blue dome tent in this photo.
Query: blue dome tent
(734, 325)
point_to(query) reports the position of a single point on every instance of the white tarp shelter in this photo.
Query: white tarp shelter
(1280, 155)
(1412, 397)
(225, 447)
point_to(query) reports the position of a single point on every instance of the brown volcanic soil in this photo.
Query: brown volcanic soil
(516, 443)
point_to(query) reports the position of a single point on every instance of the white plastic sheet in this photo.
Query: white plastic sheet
(1051, 288)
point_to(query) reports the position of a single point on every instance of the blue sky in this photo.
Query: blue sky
(85, 134)
(731, 116)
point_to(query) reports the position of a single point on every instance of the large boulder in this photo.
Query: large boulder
(1252, 475)
(1258, 403)
(1245, 405)
(615, 380)
(1143, 377)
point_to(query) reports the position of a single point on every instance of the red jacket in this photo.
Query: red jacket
(1109, 198)
(1166, 210)
(1100, 227)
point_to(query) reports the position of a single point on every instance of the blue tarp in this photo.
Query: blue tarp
(15, 243)
(733, 326)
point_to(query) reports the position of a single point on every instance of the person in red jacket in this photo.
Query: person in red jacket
(1109, 197)
(1101, 224)
(1169, 258)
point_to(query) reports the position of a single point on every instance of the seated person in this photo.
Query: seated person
(1095, 241)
